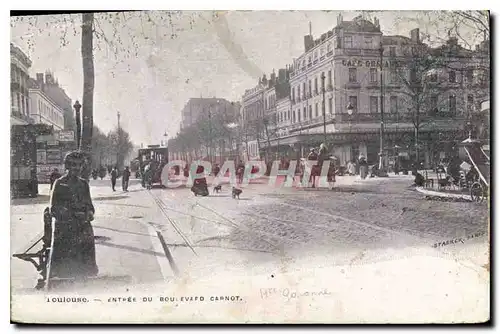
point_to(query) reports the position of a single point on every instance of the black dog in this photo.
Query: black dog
(217, 188)
(236, 192)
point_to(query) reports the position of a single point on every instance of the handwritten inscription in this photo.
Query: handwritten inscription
(291, 294)
(458, 240)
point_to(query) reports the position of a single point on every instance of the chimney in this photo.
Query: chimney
(39, 79)
(308, 42)
(282, 75)
(339, 19)
(49, 80)
(415, 35)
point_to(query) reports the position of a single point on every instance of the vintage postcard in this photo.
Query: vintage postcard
(250, 167)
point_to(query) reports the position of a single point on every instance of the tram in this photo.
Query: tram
(156, 157)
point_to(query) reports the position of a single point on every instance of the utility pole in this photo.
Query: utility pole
(324, 106)
(382, 171)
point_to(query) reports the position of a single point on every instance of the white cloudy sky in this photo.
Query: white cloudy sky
(209, 56)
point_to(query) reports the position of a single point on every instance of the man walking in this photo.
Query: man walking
(54, 176)
(125, 178)
(114, 176)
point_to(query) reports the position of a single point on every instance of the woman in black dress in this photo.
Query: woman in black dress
(73, 254)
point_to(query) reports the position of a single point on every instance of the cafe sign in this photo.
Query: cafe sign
(366, 63)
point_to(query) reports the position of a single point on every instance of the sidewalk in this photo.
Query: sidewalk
(127, 250)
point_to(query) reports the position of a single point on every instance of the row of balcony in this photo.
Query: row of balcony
(310, 64)
(310, 95)
(388, 118)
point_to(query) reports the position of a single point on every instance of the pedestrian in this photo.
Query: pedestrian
(312, 159)
(363, 167)
(114, 176)
(125, 178)
(351, 168)
(73, 252)
(54, 176)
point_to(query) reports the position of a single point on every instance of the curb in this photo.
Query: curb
(442, 194)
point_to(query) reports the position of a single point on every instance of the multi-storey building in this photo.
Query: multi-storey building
(252, 112)
(43, 109)
(57, 94)
(341, 71)
(197, 108)
(19, 95)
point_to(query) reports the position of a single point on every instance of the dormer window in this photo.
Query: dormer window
(309, 60)
(315, 55)
(329, 47)
(322, 51)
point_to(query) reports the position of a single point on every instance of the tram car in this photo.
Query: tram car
(152, 159)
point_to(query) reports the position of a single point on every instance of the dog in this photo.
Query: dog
(236, 192)
(217, 188)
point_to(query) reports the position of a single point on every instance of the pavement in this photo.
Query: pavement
(378, 227)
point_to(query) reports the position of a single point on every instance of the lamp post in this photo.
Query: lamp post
(382, 171)
(324, 111)
(350, 110)
(77, 107)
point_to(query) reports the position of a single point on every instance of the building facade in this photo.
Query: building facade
(252, 112)
(354, 67)
(19, 88)
(50, 86)
(43, 109)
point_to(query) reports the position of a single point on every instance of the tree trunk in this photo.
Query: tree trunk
(88, 87)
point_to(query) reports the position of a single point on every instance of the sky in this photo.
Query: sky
(148, 64)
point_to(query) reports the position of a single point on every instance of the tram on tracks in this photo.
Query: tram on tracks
(151, 162)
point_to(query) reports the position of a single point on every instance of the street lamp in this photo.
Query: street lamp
(77, 107)
(350, 110)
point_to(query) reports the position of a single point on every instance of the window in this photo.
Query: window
(352, 74)
(293, 94)
(413, 75)
(392, 51)
(368, 42)
(348, 42)
(323, 81)
(304, 63)
(452, 104)
(298, 92)
(310, 88)
(394, 76)
(310, 112)
(315, 55)
(316, 85)
(288, 114)
(309, 61)
(469, 75)
(452, 76)
(434, 104)
(317, 111)
(373, 75)
(470, 103)
(330, 77)
(298, 115)
(304, 113)
(394, 104)
(330, 105)
(304, 89)
(322, 52)
(373, 104)
(329, 47)
(353, 101)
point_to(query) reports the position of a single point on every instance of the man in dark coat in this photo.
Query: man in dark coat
(114, 176)
(54, 176)
(125, 179)
(73, 252)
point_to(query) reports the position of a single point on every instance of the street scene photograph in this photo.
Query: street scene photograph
(250, 167)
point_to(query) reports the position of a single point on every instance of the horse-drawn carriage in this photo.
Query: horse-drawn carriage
(480, 161)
